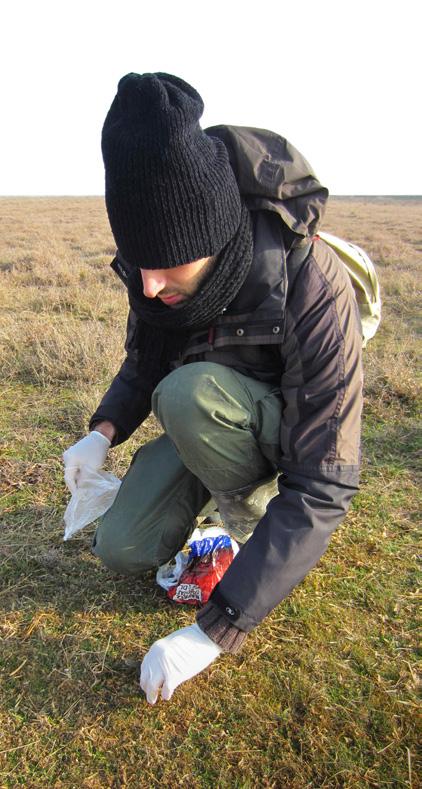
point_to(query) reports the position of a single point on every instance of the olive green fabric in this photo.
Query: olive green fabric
(224, 430)
(154, 512)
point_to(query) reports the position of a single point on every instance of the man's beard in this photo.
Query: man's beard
(200, 279)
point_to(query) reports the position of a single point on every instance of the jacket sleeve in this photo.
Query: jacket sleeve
(321, 391)
(128, 400)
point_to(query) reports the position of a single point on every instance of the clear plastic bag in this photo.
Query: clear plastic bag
(94, 495)
(169, 574)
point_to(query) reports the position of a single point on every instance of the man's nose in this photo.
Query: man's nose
(153, 281)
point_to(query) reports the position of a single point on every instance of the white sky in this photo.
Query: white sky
(341, 79)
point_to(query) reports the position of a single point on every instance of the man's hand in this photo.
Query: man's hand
(89, 451)
(174, 659)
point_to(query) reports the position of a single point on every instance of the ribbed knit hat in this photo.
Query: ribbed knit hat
(171, 194)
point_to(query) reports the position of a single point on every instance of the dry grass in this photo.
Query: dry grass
(64, 313)
(325, 692)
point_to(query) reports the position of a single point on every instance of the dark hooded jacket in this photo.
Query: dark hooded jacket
(294, 322)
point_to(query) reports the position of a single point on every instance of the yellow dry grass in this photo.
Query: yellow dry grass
(325, 692)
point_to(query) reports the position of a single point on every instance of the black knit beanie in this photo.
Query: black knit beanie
(171, 194)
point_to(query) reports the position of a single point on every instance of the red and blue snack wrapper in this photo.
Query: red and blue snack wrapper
(192, 577)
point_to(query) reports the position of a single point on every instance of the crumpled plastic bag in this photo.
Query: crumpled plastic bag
(169, 574)
(191, 577)
(94, 495)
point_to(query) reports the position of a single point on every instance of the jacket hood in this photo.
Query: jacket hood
(273, 175)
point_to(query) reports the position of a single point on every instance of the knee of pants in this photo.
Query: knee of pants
(177, 392)
(119, 558)
(186, 398)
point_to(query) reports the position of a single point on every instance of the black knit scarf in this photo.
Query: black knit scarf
(164, 331)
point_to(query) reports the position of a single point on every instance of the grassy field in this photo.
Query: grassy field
(324, 693)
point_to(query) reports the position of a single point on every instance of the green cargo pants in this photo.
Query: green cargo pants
(221, 434)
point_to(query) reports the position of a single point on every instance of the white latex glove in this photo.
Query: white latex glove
(89, 451)
(174, 659)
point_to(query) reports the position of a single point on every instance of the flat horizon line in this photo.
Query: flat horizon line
(372, 196)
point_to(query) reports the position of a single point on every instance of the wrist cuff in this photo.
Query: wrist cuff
(107, 440)
(215, 625)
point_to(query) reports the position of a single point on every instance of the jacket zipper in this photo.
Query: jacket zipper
(211, 337)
